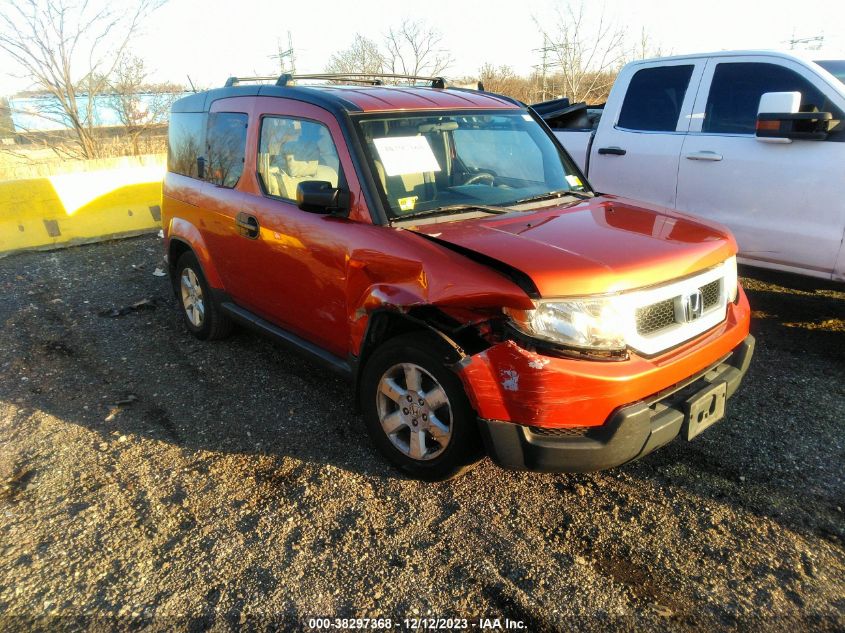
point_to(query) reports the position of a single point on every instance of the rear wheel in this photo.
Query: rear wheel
(416, 410)
(200, 312)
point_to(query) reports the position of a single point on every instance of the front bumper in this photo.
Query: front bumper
(629, 433)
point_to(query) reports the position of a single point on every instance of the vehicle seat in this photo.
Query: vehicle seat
(420, 184)
(302, 171)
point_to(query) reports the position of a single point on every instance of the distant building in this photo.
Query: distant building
(44, 113)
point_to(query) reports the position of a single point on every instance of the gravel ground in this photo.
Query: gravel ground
(149, 479)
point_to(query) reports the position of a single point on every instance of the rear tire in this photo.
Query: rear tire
(416, 410)
(200, 312)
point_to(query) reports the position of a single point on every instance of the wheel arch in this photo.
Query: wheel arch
(385, 323)
(184, 236)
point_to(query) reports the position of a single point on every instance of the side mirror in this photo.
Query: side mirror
(779, 119)
(318, 196)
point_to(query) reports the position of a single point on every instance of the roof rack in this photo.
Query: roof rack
(372, 79)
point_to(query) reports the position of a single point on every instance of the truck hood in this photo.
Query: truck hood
(606, 244)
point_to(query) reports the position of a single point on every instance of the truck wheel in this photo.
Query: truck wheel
(201, 314)
(416, 410)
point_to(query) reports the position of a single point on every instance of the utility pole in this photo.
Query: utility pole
(544, 66)
(292, 55)
(288, 54)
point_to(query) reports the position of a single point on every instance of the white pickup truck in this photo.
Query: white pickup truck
(752, 139)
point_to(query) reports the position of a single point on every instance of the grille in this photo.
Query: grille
(710, 293)
(568, 431)
(656, 316)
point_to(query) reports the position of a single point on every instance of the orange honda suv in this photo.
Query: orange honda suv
(438, 247)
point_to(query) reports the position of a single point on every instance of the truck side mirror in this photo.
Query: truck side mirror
(318, 196)
(780, 121)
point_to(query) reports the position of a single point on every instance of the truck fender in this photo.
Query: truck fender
(182, 232)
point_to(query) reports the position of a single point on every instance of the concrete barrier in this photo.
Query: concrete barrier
(56, 211)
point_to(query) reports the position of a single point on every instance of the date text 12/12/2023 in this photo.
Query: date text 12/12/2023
(415, 624)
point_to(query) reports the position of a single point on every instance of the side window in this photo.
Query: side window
(292, 151)
(184, 142)
(736, 90)
(654, 98)
(226, 141)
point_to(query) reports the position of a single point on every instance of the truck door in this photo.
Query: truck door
(638, 143)
(782, 200)
(293, 263)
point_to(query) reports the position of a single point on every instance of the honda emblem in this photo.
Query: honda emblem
(693, 305)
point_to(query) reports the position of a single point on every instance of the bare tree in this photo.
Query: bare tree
(588, 54)
(644, 47)
(69, 50)
(139, 105)
(504, 80)
(363, 56)
(416, 49)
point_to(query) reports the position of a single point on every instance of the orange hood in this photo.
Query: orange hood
(603, 245)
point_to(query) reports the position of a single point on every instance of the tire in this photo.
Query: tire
(434, 435)
(200, 312)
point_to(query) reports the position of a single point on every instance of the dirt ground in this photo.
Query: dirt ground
(151, 480)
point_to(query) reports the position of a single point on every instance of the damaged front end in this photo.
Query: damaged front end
(556, 383)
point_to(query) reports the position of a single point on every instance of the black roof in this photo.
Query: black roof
(201, 101)
(331, 100)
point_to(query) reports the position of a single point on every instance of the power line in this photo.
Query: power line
(813, 43)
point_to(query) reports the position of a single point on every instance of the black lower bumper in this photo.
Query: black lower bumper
(629, 433)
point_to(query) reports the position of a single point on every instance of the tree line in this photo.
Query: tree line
(580, 55)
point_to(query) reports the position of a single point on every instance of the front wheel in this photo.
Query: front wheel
(416, 410)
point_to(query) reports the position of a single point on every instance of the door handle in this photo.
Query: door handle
(613, 151)
(705, 155)
(247, 225)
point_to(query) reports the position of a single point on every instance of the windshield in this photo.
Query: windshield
(835, 67)
(431, 161)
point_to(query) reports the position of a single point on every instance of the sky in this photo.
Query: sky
(213, 39)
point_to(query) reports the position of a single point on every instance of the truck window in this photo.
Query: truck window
(835, 67)
(654, 98)
(226, 148)
(293, 151)
(736, 90)
(184, 142)
(425, 161)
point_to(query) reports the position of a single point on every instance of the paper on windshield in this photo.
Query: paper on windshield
(406, 155)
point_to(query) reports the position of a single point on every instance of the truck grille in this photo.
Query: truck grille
(564, 431)
(711, 293)
(655, 317)
(658, 316)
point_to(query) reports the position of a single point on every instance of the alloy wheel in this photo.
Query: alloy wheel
(192, 298)
(414, 411)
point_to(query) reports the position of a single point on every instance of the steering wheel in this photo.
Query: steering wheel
(482, 175)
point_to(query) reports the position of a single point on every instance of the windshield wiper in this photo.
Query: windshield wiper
(550, 195)
(455, 207)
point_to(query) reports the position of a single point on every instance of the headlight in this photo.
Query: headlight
(731, 280)
(588, 323)
(609, 323)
